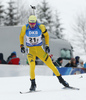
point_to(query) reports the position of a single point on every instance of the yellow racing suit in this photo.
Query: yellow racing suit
(35, 48)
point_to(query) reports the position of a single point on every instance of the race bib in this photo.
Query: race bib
(33, 41)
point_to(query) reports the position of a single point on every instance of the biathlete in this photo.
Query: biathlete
(33, 31)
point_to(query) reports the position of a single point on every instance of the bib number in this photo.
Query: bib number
(33, 40)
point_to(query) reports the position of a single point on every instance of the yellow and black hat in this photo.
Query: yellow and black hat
(32, 19)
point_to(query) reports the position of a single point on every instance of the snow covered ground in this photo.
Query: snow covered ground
(51, 88)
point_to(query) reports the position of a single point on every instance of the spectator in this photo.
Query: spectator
(12, 59)
(58, 62)
(81, 64)
(2, 61)
(8, 58)
(77, 60)
(72, 63)
(85, 65)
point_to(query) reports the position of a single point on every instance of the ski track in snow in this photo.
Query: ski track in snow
(50, 88)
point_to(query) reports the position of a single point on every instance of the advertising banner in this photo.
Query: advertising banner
(71, 70)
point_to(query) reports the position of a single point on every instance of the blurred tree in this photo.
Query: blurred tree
(57, 26)
(24, 11)
(11, 17)
(1, 14)
(79, 28)
(44, 15)
(51, 21)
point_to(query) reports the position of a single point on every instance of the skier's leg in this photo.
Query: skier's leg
(31, 59)
(47, 60)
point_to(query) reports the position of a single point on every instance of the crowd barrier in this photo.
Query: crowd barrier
(70, 70)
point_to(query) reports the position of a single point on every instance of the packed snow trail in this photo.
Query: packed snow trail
(50, 88)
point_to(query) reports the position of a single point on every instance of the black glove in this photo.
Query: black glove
(47, 49)
(22, 48)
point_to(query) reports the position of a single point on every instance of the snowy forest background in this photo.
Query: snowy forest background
(14, 13)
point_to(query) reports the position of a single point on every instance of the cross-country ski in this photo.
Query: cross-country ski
(70, 87)
(29, 91)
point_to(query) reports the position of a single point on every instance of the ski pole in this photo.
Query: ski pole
(23, 59)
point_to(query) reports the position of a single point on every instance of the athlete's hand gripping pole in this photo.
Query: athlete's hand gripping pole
(47, 49)
(22, 48)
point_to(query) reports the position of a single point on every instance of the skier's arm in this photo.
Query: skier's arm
(45, 33)
(21, 37)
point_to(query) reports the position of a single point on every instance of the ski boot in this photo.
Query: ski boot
(61, 80)
(33, 85)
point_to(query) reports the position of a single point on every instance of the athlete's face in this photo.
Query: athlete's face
(32, 25)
